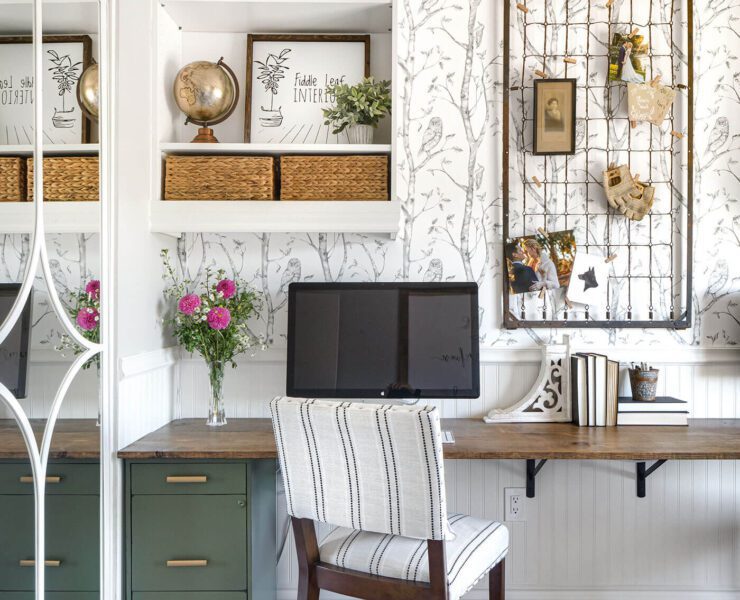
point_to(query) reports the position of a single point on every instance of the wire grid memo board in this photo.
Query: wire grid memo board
(650, 274)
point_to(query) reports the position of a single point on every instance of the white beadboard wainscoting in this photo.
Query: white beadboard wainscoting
(586, 535)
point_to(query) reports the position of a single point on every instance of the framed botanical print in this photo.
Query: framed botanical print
(65, 58)
(287, 77)
(554, 116)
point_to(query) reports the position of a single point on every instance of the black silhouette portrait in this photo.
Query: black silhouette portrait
(589, 279)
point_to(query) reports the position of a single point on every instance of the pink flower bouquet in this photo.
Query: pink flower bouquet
(210, 318)
(83, 307)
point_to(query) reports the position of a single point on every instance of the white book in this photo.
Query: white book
(660, 404)
(590, 386)
(600, 383)
(654, 418)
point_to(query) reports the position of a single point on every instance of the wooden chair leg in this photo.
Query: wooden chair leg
(496, 581)
(308, 555)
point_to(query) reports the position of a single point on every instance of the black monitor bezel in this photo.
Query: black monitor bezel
(382, 394)
(25, 324)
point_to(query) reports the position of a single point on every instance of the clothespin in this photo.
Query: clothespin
(633, 124)
(570, 60)
(514, 88)
(537, 182)
(655, 81)
(540, 73)
(542, 232)
(610, 258)
(568, 303)
(542, 294)
(682, 86)
(521, 7)
(609, 3)
(677, 134)
(635, 31)
(612, 165)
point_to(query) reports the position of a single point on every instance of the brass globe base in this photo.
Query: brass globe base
(205, 136)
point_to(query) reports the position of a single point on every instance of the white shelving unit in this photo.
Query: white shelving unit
(60, 17)
(60, 217)
(189, 30)
(50, 150)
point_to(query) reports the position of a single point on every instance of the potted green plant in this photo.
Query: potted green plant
(358, 108)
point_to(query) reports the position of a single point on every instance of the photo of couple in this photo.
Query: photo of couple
(625, 58)
(540, 262)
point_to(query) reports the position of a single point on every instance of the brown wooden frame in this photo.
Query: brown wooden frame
(541, 83)
(315, 575)
(289, 37)
(86, 42)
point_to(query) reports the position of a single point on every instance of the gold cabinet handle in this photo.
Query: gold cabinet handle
(49, 479)
(187, 479)
(47, 563)
(187, 563)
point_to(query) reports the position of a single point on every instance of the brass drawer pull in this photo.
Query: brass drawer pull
(49, 479)
(47, 563)
(187, 479)
(187, 563)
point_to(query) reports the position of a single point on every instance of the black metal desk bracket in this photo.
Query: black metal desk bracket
(532, 470)
(643, 473)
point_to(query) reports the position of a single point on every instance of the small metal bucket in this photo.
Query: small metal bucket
(644, 384)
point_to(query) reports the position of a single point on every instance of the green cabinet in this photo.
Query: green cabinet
(72, 531)
(200, 530)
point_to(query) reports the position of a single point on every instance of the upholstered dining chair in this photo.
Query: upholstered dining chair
(375, 473)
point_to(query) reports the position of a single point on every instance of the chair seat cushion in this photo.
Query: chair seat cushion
(477, 547)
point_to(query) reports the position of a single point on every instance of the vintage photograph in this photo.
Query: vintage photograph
(555, 116)
(540, 262)
(589, 282)
(626, 58)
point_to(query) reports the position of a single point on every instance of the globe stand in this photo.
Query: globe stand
(205, 136)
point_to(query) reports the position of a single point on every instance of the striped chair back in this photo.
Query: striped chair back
(372, 467)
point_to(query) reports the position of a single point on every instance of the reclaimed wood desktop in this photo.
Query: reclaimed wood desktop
(704, 439)
(74, 439)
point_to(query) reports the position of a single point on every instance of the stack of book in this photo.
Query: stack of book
(661, 411)
(594, 389)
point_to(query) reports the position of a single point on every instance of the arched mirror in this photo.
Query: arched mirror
(53, 170)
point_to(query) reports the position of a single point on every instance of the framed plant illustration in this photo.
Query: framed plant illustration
(65, 58)
(287, 80)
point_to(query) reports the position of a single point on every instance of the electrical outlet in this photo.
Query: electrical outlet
(514, 504)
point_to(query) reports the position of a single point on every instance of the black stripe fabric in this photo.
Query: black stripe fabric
(395, 472)
(318, 459)
(429, 477)
(311, 459)
(354, 463)
(438, 478)
(275, 410)
(387, 473)
(468, 545)
(346, 465)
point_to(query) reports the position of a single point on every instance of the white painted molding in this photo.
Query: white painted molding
(136, 364)
(575, 594)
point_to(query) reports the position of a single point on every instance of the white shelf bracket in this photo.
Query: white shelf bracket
(549, 399)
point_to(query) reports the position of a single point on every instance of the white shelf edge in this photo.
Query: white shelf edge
(248, 148)
(174, 217)
(49, 149)
(59, 217)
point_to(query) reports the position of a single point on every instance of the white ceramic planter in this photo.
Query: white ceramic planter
(360, 134)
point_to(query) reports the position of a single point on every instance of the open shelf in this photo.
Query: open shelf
(50, 149)
(285, 16)
(59, 217)
(274, 149)
(60, 17)
(277, 216)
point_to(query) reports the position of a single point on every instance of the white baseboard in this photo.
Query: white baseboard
(579, 594)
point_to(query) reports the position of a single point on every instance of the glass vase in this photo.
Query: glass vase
(216, 411)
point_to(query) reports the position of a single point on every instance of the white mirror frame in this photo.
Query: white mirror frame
(39, 454)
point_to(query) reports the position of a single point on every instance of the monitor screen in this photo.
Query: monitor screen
(383, 340)
(14, 348)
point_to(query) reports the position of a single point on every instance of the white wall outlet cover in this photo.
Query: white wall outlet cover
(515, 504)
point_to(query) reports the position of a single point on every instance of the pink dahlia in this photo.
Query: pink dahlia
(227, 287)
(188, 304)
(88, 318)
(93, 288)
(219, 318)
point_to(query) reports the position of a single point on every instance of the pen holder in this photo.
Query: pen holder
(644, 384)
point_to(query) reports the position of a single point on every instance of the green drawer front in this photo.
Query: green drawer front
(50, 596)
(189, 596)
(188, 478)
(194, 527)
(62, 478)
(71, 537)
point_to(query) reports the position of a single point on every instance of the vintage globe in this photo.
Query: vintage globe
(204, 91)
(88, 91)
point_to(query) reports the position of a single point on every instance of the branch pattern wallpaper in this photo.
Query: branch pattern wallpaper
(448, 76)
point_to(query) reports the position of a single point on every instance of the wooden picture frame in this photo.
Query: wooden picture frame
(311, 85)
(554, 116)
(69, 96)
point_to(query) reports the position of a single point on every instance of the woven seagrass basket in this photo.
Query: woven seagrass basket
(219, 178)
(12, 179)
(356, 177)
(68, 179)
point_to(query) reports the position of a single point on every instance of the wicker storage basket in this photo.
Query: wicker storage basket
(219, 178)
(354, 177)
(68, 179)
(12, 179)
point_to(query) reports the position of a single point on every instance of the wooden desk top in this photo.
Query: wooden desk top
(704, 439)
(73, 439)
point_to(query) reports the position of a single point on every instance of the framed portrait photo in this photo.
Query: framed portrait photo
(65, 58)
(287, 77)
(554, 116)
